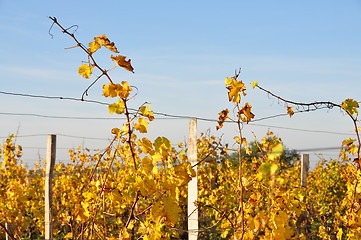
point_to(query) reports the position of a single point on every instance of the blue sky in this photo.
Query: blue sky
(181, 51)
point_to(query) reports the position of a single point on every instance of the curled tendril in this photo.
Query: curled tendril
(51, 27)
(73, 26)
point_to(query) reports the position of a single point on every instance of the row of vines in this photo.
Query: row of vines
(137, 188)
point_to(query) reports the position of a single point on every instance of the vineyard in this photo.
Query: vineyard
(138, 189)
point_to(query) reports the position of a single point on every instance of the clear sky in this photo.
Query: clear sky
(181, 51)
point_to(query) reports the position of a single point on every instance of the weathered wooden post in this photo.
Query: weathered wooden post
(9, 231)
(193, 184)
(50, 162)
(305, 165)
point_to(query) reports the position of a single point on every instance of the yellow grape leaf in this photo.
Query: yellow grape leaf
(254, 84)
(123, 90)
(104, 41)
(80, 216)
(147, 164)
(85, 70)
(268, 169)
(146, 185)
(348, 142)
(339, 234)
(142, 126)
(157, 157)
(238, 139)
(145, 111)
(115, 131)
(125, 234)
(117, 108)
(69, 235)
(281, 219)
(290, 111)
(121, 62)
(281, 230)
(273, 169)
(146, 145)
(190, 170)
(228, 81)
(226, 227)
(351, 106)
(181, 173)
(276, 151)
(156, 210)
(235, 88)
(245, 113)
(110, 90)
(351, 147)
(125, 128)
(93, 46)
(245, 182)
(223, 115)
(161, 143)
(171, 210)
(150, 183)
(139, 185)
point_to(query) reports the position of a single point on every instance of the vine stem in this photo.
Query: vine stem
(131, 215)
(240, 174)
(104, 72)
(130, 133)
(328, 105)
(313, 104)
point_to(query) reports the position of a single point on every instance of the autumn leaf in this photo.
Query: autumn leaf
(245, 113)
(276, 152)
(85, 70)
(290, 111)
(93, 46)
(117, 108)
(268, 169)
(115, 131)
(235, 88)
(146, 144)
(121, 62)
(104, 41)
(223, 116)
(123, 90)
(161, 143)
(145, 111)
(350, 106)
(242, 141)
(110, 90)
(142, 125)
(171, 210)
(350, 146)
(254, 84)
(348, 142)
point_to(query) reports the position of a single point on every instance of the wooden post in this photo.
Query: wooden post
(50, 162)
(9, 231)
(193, 184)
(305, 165)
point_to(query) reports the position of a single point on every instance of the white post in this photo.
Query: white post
(305, 165)
(193, 184)
(50, 162)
